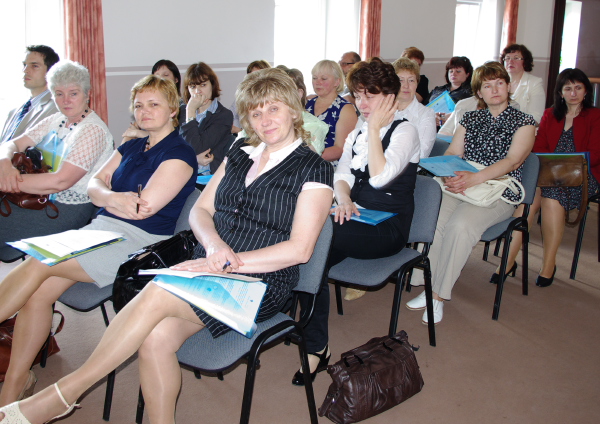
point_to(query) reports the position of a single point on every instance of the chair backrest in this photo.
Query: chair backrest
(183, 222)
(428, 196)
(439, 148)
(531, 169)
(311, 273)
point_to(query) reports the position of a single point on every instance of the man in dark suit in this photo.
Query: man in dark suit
(38, 61)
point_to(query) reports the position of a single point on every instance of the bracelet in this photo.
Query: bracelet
(190, 119)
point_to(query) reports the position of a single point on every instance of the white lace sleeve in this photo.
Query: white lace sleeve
(88, 147)
(38, 132)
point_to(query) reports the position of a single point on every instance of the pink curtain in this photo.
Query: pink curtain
(84, 39)
(510, 23)
(370, 28)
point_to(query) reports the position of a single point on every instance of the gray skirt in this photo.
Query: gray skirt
(102, 264)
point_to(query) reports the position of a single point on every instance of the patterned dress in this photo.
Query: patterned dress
(488, 139)
(569, 197)
(330, 116)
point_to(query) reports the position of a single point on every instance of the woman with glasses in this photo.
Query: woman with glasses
(527, 90)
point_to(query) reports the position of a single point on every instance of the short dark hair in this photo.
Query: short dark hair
(527, 56)
(197, 74)
(374, 76)
(572, 75)
(260, 64)
(171, 67)
(49, 55)
(460, 62)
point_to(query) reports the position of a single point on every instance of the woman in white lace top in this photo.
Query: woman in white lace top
(76, 142)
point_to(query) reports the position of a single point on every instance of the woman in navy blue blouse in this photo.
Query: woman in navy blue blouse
(165, 166)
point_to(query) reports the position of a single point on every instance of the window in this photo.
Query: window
(31, 22)
(477, 30)
(570, 39)
(312, 30)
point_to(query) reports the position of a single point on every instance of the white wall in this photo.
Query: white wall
(535, 31)
(226, 34)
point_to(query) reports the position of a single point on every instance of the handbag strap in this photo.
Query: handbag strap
(60, 324)
(52, 206)
(511, 188)
(4, 204)
(584, 199)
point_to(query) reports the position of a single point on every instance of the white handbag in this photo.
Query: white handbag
(487, 193)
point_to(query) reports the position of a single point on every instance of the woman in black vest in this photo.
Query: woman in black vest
(377, 170)
(260, 215)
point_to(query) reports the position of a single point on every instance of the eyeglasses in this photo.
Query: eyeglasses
(514, 59)
(346, 63)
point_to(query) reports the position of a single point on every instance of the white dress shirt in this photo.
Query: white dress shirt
(423, 118)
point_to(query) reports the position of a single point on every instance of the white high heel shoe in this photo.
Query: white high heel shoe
(13, 414)
(70, 407)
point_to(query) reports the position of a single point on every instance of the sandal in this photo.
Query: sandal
(13, 414)
(70, 408)
(29, 386)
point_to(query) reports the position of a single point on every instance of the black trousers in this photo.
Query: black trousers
(352, 240)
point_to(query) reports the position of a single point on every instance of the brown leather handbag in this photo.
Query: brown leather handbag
(371, 379)
(6, 335)
(566, 171)
(28, 162)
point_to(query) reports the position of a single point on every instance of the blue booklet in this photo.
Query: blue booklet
(203, 179)
(232, 299)
(371, 217)
(442, 103)
(445, 166)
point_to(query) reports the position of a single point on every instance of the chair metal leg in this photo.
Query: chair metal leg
(396, 302)
(308, 386)
(578, 244)
(429, 301)
(486, 250)
(197, 374)
(139, 415)
(497, 247)
(110, 385)
(220, 375)
(502, 273)
(338, 299)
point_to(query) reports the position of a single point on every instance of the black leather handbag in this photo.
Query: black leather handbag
(163, 254)
(372, 378)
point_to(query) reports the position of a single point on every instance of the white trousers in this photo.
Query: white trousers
(459, 228)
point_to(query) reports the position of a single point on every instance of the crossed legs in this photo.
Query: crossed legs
(31, 288)
(155, 318)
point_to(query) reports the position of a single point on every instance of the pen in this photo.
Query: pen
(226, 265)
(137, 207)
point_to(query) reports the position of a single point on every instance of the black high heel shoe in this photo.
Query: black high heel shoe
(511, 272)
(543, 281)
(324, 357)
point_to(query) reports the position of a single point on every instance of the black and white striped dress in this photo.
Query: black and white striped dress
(261, 215)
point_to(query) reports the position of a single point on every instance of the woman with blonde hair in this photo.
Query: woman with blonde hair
(330, 107)
(270, 184)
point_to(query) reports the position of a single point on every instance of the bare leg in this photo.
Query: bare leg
(160, 373)
(553, 228)
(517, 238)
(123, 337)
(31, 289)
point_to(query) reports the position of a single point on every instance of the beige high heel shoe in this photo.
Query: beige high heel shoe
(29, 386)
(353, 294)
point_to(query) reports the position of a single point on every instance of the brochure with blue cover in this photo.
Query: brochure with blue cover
(203, 179)
(370, 216)
(442, 103)
(57, 248)
(445, 166)
(230, 298)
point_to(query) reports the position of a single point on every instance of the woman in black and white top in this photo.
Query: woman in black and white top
(497, 136)
(377, 170)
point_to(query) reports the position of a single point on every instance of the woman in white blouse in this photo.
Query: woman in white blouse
(377, 170)
(527, 90)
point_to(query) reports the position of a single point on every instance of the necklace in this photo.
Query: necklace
(75, 123)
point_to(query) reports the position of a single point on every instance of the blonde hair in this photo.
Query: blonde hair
(332, 68)
(268, 86)
(406, 64)
(155, 83)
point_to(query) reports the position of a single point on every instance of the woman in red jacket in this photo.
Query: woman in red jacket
(571, 125)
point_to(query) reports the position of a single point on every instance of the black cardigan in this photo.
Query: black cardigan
(214, 133)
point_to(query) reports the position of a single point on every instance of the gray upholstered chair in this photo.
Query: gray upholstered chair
(371, 273)
(85, 297)
(503, 231)
(439, 147)
(202, 352)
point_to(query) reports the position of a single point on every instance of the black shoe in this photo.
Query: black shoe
(543, 281)
(511, 272)
(324, 357)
